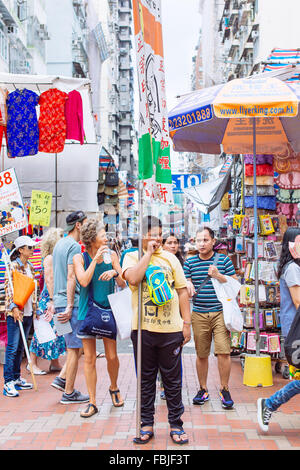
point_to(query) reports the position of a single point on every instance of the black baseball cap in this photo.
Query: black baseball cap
(74, 217)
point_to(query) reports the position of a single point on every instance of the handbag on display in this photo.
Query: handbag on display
(111, 178)
(99, 321)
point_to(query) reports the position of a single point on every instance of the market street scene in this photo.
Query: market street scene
(149, 227)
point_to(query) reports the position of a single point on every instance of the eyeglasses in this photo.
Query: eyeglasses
(30, 247)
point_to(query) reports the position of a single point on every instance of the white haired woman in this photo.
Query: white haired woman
(102, 277)
(56, 348)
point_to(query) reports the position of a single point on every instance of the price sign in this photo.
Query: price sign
(184, 181)
(12, 212)
(40, 208)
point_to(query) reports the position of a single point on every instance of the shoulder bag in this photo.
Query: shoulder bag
(111, 178)
(203, 283)
(99, 321)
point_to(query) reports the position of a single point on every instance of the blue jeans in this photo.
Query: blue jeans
(15, 347)
(283, 395)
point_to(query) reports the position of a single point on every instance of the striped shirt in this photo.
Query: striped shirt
(196, 269)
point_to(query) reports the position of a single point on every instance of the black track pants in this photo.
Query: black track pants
(160, 351)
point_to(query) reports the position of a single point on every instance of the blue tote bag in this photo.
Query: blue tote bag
(99, 321)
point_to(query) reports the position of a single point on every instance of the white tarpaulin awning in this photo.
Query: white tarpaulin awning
(72, 175)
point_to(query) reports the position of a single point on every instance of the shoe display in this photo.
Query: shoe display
(74, 397)
(22, 384)
(9, 389)
(59, 384)
(226, 399)
(201, 397)
(263, 414)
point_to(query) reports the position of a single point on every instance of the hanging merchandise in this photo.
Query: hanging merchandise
(22, 123)
(52, 121)
(74, 117)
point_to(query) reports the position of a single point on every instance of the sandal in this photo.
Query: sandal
(138, 440)
(180, 432)
(89, 411)
(115, 399)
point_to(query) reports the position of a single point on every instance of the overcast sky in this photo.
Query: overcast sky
(181, 22)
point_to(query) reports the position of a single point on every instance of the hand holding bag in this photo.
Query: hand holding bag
(99, 321)
(226, 294)
(23, 288)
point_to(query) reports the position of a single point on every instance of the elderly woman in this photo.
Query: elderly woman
(53, 349)
(102, 276)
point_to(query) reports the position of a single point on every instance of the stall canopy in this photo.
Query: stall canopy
(279, 59)
(72, 175)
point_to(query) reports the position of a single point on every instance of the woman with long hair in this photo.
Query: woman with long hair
(102, 275)
(289, 275)
(53, 349)
(171, 243)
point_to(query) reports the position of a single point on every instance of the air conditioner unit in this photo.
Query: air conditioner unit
(111, 118)
(255, 34)
(12, 29)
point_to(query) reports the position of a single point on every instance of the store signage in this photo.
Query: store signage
(12, 212)
(181, 182)
(40, 208)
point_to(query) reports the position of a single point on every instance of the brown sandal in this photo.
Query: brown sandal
(115, 399)
(89, 411)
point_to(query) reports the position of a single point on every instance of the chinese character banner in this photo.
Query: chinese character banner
(154, 143)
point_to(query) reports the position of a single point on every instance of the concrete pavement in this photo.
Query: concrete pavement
(37, 421)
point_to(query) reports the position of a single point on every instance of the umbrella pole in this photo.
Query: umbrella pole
(140, 306)
(257, 336)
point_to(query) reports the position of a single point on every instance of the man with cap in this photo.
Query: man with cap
(66, 301)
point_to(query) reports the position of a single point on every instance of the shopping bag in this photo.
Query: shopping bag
(292, 342)
(226, 293)
(23, 288)
(121, 306)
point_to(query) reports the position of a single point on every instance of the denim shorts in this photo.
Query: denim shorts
(71, 339)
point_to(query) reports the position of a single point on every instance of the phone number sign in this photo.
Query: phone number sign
(181, 182)
(40, 208)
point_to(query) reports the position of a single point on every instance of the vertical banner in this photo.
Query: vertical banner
(154, 141)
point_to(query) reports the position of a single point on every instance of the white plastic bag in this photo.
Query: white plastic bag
(121, 306)
(226, 293)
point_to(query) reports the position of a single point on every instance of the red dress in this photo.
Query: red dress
(52, 121)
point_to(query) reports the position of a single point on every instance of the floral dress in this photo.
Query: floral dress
(53, 349)
(52, 121)
(22, 123)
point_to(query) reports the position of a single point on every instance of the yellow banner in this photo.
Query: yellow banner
(265, 97)
(40, 208)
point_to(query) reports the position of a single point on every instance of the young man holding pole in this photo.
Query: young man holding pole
(207, 316)
(164, 329)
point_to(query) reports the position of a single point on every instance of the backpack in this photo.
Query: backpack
(159, 288)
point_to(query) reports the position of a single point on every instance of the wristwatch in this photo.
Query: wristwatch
(116, 275)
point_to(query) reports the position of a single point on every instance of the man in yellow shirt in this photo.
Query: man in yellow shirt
(165, 329)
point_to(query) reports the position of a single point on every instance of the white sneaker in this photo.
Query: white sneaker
(21, 384)
(9, 389)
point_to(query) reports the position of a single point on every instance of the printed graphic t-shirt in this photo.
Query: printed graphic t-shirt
(166, 318)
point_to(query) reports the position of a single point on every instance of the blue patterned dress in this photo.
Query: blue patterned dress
(22, 123)
(53, 349)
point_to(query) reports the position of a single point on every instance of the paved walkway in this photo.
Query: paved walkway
(36, 420)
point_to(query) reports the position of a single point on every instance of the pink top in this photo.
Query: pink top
(74, 117)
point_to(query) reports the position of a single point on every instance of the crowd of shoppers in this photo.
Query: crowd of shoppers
(77, 276)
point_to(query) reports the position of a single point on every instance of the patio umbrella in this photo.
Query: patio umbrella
(241, 116)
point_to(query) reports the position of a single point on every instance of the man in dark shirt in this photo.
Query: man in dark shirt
(207, 317)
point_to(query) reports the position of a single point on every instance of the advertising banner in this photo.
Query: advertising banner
(12, 212)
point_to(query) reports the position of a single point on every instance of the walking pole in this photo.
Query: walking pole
(257, 336)
(7, 262)
(140, 306)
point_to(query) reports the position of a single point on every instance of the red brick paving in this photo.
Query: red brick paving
(36, 420)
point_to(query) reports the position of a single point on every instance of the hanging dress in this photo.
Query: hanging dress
(74, 116)
(3, 116)
(22, 123)
(52, 121)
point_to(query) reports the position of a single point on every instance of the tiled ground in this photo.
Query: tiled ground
(36, 420)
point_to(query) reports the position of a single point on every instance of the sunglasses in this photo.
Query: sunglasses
(30, 247)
